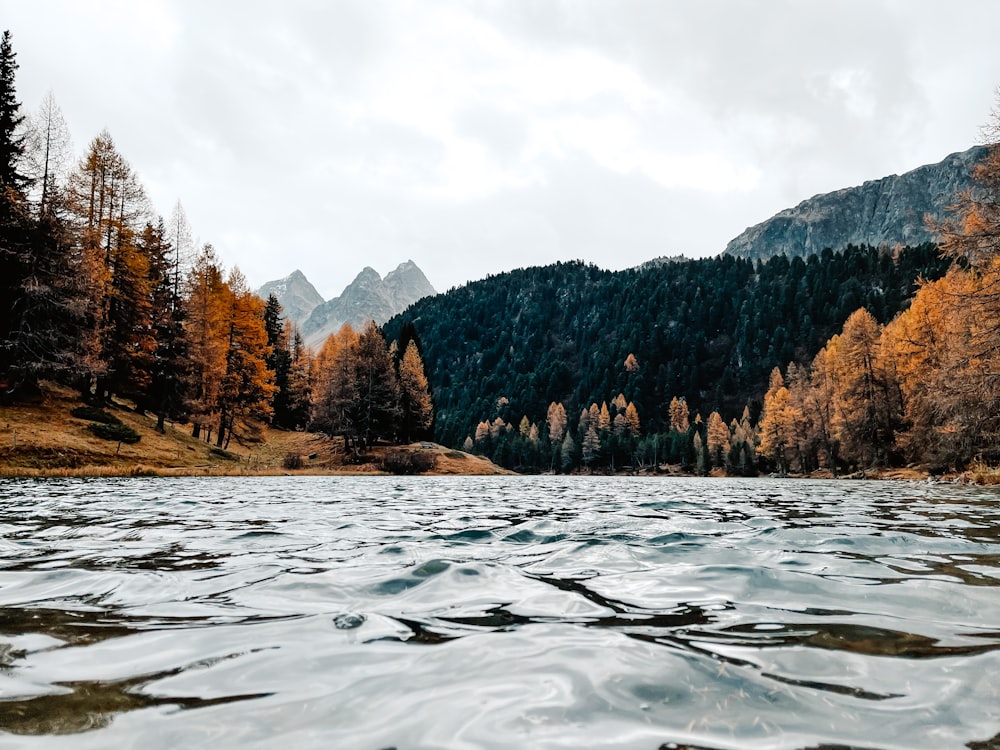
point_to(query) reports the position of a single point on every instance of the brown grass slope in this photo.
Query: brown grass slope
(43, 439)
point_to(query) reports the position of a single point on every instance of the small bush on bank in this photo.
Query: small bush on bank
(292, 461)
(220, 453)
(121, 432)
(94, 414)
(408, 462)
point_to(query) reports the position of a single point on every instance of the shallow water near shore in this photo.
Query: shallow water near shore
(498, 612)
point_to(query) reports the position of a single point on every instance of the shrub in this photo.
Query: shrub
(93, 414)
(220, 453)
(121, 432)
(292, 461)
(408, 462)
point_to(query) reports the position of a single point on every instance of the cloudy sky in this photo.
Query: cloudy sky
(479, 136)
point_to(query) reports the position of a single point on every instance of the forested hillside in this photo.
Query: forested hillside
(707, 330)
(98, 293)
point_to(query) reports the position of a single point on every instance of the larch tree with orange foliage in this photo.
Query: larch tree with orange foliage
(778, 423)
(415, 406)
(867, 409)
(972, 237)
(247, 385)
(205, 301)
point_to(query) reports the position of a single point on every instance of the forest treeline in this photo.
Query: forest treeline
(705, 333)
(98, 293)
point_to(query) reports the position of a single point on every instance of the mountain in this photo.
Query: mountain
(881, 212)
(368, 297)
(297, 296)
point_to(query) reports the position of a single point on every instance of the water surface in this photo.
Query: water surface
(525, 612)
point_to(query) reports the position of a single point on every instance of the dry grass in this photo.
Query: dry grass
(981, 473)
(44, 439)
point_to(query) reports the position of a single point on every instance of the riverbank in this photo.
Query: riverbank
(43, 438)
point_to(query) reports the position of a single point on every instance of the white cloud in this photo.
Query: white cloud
(476, 136)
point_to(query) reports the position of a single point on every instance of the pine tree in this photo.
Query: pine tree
(567, 452)
(205, 301)
(604, 418)
(717, 438)
(247, 386)
(279, 362)
(299, 383)
(556, 420)
(335, 386)
(679, 415)
(416, 411)
(591, 445)
(48, 151)
(40, 286)
(11, 139)
(777, 423)
(377, 408)
(168, 365)
(865, 415)
(632, 420)
(109, 208)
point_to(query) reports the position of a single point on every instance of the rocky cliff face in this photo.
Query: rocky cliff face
(879, 212)
(368, 297)
(297, 296)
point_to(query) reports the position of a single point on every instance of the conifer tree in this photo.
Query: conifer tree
(679, 415)
(247, 386)
(109, 206)
(40, 286)
(556, 420)
(11, 138)
(416, 412)
(632, 420)
(567, 451)
(206, 300)
(591, 445)
(168, 366)
(717, 438)
(377, 408)
(299, 382)
(604, 418)
(777, 423)
(48, 151)
(279, 362)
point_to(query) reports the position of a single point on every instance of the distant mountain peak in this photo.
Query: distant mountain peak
(887, 211)
(368, 297)
(298, 297)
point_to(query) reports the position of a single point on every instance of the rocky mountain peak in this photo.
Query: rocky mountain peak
(297, 296)
(887, 211)
(368, 297)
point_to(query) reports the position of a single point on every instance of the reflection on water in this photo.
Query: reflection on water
(498, 612)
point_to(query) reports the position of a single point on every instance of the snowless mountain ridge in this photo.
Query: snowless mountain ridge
(368, 297)
(887, 211)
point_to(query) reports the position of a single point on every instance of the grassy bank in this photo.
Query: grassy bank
(43, 438)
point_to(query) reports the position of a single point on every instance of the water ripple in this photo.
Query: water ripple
(498, 612)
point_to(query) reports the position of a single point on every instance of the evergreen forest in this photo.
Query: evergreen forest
(705, 331)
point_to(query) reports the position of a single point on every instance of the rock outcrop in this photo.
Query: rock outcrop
(888, 211)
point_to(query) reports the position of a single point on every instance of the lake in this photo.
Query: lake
(501, 612)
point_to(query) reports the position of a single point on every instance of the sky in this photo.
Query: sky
(475, 137)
